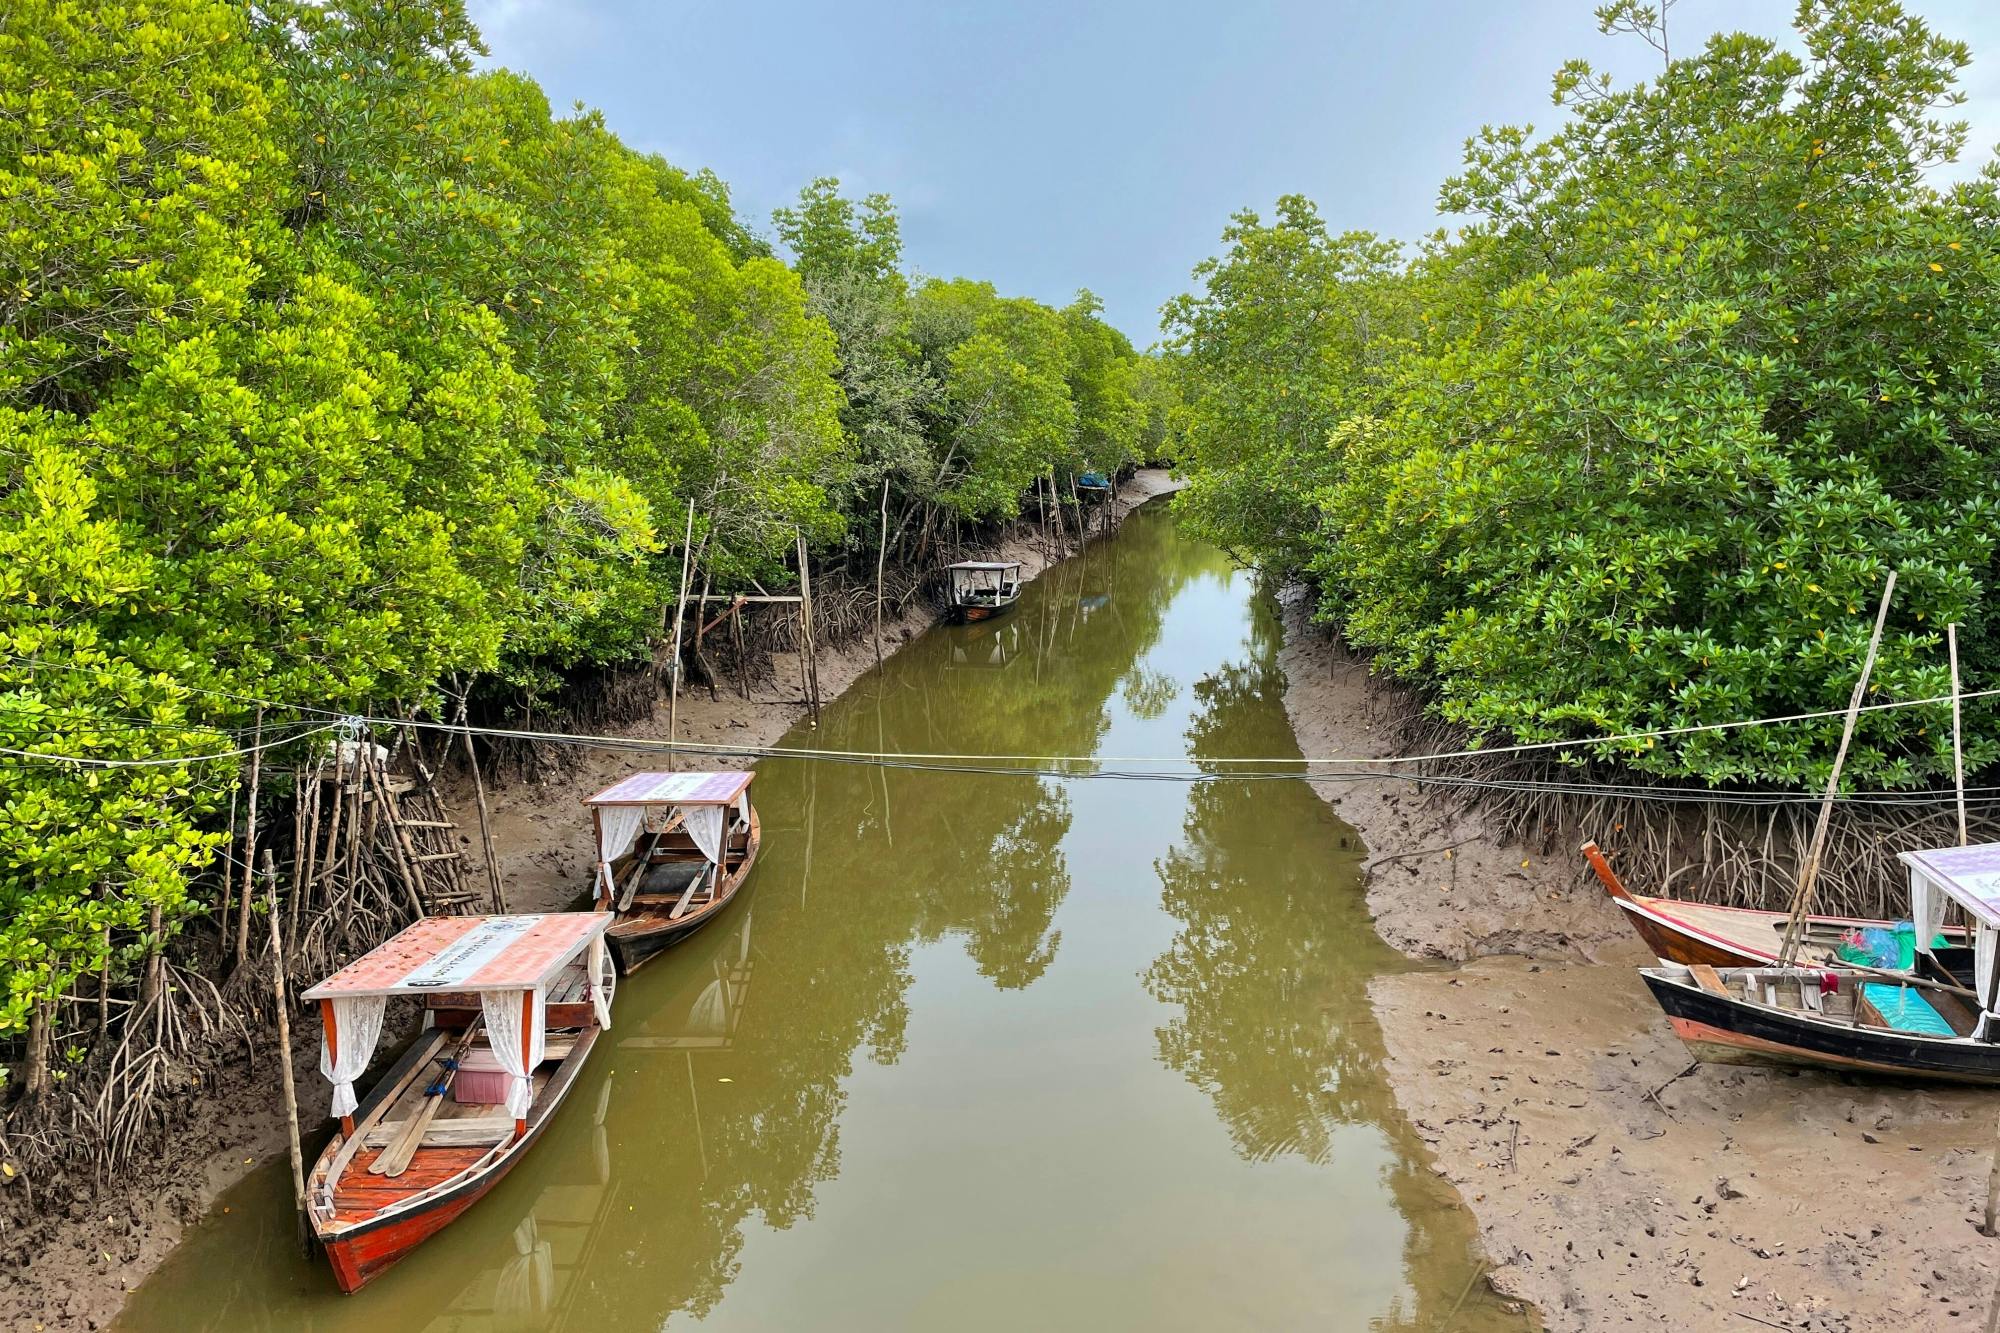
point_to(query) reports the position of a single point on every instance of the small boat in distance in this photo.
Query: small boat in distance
(672, 850)
(983, 589)
(1688, 933)
(516, 1004)
(1917, 1024)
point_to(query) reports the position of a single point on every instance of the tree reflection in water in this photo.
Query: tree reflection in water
(736, 1057)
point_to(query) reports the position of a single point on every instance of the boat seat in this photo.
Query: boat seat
(1905, 1010)
(673, 878)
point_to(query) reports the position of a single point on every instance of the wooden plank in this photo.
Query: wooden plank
(1706, 977)
(688, 897)
(457, 1132)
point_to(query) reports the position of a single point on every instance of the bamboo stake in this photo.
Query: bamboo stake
(707, 575)
(742, 653)
(399, 838)
(250, 842)
(808, 645)
(1958, 746)
(308, 850)
(881, 554)
(485, 821)
(340, 804)
(292, 1141)
(680, 606)
(1809, 873)
(228, 872)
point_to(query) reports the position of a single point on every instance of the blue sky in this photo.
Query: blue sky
(1050, 146)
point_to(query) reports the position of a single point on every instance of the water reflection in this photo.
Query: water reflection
(984, 1050)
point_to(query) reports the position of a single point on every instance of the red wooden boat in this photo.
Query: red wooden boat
(515, 1004)
(1688, 933)
(672, 850)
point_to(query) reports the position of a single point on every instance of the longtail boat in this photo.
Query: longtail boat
(514, 1006)
(983, 589)
(1919, 1024)
(1684, 932)
(672, 850)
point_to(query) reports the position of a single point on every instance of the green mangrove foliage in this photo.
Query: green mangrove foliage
(1636, 448)
(334, 367)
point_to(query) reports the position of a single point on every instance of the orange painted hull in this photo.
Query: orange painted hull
(360, 1259)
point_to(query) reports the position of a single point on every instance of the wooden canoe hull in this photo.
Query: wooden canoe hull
(636, 939)
(361, 1252)
(1689, 933)
(365, 1253)
(1721, 1029)
(1736, 941)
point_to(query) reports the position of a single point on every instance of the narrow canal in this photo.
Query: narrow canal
(989, 1051)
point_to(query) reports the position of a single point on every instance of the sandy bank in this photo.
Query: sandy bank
(72, 1271)
(1615, 1186)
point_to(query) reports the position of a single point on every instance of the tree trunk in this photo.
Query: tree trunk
(35, 1080)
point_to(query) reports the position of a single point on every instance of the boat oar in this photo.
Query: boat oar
(1907, 979)
(395, 1160)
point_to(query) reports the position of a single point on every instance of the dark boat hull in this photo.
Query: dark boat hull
(630, 954)
(1722, 1029)
(972, 615)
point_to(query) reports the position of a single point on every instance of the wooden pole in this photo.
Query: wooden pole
(1958, 747)
(808, 641)
(701, 628)
(1809, 873)
(292, 1141)
(680, 606)
(228, 874)
(485, 820)
(881, 554)
(742, 652)
(250, 842)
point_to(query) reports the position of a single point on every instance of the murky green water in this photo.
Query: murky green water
(970, 1052)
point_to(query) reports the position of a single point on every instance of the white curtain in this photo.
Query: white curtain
(1986, 944)
(598, 970)
(526, 1290)
(357, 1022)
(618, 828)
(743, 807)
(709, 1017)
(704, 825)
(1925, 908)
(504, 1021)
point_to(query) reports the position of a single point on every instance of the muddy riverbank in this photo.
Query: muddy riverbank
(1614, 1185)
(75, 1270)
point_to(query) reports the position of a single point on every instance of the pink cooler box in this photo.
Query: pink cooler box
(481, 1080)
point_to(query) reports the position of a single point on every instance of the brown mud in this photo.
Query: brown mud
(72, 1269)
(1615, 1185)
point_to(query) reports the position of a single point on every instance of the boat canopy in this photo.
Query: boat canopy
(1970, 877)
(986, 565)
(508, 961)
(650, 802)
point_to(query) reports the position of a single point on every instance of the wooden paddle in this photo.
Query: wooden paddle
(1910, 979)
(395, 1159)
